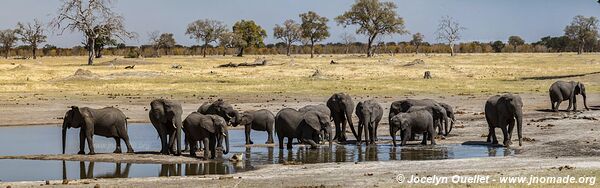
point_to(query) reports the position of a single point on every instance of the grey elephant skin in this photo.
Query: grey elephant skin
(501, 111)
(320, 108)
(439, 113)
(304, 126)
(259, 120)
(165, 116)
(450, 114)
(108, 122)
(341, 107)
(561, 91)
(369, 115)
(210, 129)
(418, 121)
(221, 108)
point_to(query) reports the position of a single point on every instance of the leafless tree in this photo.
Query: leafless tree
(449, 31)
(8, 38)
(93, 18)
(31, 34)
(347, 39)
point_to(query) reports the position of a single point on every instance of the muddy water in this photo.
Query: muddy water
(46, 140)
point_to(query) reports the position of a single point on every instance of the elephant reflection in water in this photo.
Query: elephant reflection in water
(423, 154)
(340, 153)
(193, 169)
(393, 155)
(170, 170)
(371, 153)
(493, 151)
(88, 173)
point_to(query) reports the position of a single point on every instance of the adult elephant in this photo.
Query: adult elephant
(341, 107)
(223, 109)
(108, 122)
(369, 115)
(320, 108)
(290, 124)
(439, 113)
(165, 115)
(501, 111)
(259, 120)
(562, 91)
(210, 129)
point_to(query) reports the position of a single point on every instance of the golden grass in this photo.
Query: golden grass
(382, 75)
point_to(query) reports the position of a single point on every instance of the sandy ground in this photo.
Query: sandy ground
(552, 140)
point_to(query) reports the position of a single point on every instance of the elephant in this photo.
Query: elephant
(369, 115)
(108, 122)
(260, 120)
(304, 126)
(562, 91)
(321, 108)
(165, 116)
(223, 109)
(341, 107)
(502, 111)
(439, 114)
(417, 121)
(211, 129)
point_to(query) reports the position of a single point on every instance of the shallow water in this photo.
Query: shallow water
(46, 140)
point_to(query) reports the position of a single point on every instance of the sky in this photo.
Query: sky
(484, 20)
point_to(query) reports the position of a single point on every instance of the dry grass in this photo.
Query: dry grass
(383, 75)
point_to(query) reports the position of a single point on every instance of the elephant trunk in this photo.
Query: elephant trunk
(519, 117)
(176, 136)
(393, 134)
(585, 100)
(226, 135)
(446, 127)
(329, 137)
(64, 136)
(349, 118)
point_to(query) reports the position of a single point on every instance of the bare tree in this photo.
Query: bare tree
(93, 18)
(154, 38)
(347, 39)
(228, 40)
(290, 32)
(31, 34)
(8, 38)
(373, 18)
(205, 30)
(449, 31)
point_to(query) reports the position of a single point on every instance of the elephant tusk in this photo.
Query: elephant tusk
(225, 135)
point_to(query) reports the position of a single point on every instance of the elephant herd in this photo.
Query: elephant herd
(208, 126)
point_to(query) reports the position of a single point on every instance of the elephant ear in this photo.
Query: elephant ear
(312, 119)
(208, 124)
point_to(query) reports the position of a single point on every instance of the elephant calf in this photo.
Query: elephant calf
(419, 121)
(260, 120)
(108, 122)
(501, 111)
(290, 124)
(321, 108)
(211, 129)
(369, 115)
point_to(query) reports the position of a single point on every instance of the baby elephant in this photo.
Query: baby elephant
(210, 129)
(419, 121)
(260, 120)
(369, 114)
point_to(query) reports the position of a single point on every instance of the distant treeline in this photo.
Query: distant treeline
(545, 45)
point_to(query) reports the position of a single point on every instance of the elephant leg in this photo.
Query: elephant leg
(552, 105)
(193, 147)
(431, 133)
(118, 145)
(212, 142)
(338, 129)
(280, 139)
(405, 135)
(493, 135)
(163, 141)
(125, 137)
(557, 106)
(425, 136)
(81, 142)
(489, 136)
(342, 137)
(575, 103)
(506, 136)
(90, 141)
(570, 104)
(360, 130)
(270, 139)
(375, 131)
(307, 138)
(289, 144)
(247, 131)
(206, 149)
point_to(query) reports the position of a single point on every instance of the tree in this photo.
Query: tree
(348, 39)
(314, 29)
(103, 39)
(166, 42)
(93, 18)
(417, 40)
(228, 40)
(449, 31)
(8, 38)
(205, 30)
(249, 34)
(582, 30)
(497, 46)
(515, 41)
(373, 18)
(31, 34)
(290, 32)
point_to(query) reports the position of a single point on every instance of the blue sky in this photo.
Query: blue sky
(485, 20)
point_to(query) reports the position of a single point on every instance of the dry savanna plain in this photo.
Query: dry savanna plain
(34, 92)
